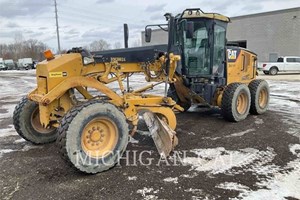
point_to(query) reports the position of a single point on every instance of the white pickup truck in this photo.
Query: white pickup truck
(283, 64)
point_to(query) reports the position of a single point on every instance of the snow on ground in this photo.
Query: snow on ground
(148, 193)
(240, 134)
(285, 99)
(5, 132)
(219, 160)
(9, 110)
(171, 180)
(132, 178)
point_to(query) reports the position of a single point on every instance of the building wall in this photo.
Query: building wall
(276, 32)
(266, 33)
(158, 36)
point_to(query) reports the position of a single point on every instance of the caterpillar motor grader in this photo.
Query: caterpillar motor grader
(93, 133)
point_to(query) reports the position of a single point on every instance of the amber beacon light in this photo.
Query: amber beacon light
(48, 54)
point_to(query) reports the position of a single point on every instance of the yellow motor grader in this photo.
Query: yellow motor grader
(92, 129)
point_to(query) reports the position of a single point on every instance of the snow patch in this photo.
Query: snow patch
(19, 141)
(132, 140)
(171, 180)
(199, 194)
(148, 193)
(240, 134)
(29, 147)
(189, 175)
(132, 178)
(233, 186)
(295, 149)
(210, 138)
(258, 121)
(191, 133)
(5, 132)
(3, 151)
(279, 187)
(219, 160)
(9, 113)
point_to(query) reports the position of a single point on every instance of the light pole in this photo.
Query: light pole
(57, 28)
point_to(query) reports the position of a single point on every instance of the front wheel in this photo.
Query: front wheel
(236, 102)
(93, 136)
(26, 120)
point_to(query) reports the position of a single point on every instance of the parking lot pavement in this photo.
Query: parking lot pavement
(283, 76)
(257, 158)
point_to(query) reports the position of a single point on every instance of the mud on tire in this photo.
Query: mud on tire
(26, 122)
(87, 130)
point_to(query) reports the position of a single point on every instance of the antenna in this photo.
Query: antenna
(57, 28)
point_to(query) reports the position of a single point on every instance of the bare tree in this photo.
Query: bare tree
(99, 45)
(117, 45)
(23, 49)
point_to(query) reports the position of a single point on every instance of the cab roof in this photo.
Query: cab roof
(198, 13)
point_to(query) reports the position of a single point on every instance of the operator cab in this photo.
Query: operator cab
(202, 39)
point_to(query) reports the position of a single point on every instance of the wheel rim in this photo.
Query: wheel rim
(242, 103)
(36, 123)
(273, 71)
(263, 98)
(99, 137)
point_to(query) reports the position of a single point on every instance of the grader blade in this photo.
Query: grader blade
(164, 137)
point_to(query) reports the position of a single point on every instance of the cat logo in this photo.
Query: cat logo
(231, 54)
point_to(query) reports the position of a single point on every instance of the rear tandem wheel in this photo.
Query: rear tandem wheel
(236, 102)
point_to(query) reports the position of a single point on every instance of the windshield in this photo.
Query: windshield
(202, 58)
(196, 50)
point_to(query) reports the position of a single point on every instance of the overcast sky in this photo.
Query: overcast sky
(82, 22)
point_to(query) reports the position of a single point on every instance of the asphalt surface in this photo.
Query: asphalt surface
(257, 158)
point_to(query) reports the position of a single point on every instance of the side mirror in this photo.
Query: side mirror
(148, 32)
(189, 29)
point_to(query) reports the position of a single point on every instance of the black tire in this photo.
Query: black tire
(72, 130)
(27, 125)
(273, 71)
(260, 96)
(172, 93)
(230, 108)
(266, 72)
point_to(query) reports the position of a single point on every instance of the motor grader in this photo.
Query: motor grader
(92, 129)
